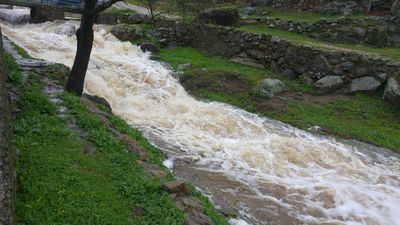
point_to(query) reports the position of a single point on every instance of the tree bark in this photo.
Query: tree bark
(85, 37)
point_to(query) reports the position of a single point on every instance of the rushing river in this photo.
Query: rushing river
(267, 170)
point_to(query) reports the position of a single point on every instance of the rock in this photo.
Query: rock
(137, 212)
(248, 10)
(68, 29)
(98, 100)
(153, 170)
(147, 47)
(307, 80)
(135, 148)
(198, 218)
(183, 66)
(136, 18)
(328, 84)
(220, 16)
(382, 77)
(126, 32)
(362, 71)
(43, 13)
(363, 84)
(269, 88)
(247, 62)
(290, 74)
(346, 66)
(360, 31)
(178, 187)
(177, 74)
(275, 39)
(396, 8)
(108, 18)
(392, 91)
(194, 210)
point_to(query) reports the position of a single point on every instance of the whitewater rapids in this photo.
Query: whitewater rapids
(288, 175)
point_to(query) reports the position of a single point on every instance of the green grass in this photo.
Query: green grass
(363, 117)
(303, 16)
(14, 72)
(21, 51)
(61, 183)
(58, 183)
(214, 64)
(393, 53)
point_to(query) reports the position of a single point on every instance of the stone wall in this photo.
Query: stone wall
(379, 31)
(6, 171)
(344, 7)
(352, 71)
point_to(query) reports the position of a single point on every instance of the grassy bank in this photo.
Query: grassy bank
(393, 53)
(303, 16)
(85, 174)
(213, 64)
(363, 117)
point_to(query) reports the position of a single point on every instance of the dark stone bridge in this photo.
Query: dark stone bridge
(47, 10)
(74, 6)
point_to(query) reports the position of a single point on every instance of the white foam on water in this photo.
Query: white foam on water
(238, 222)
(169, 163)
(313, 179)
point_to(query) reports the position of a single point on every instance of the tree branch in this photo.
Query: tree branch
(104, 6)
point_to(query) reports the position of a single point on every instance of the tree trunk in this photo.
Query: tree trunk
(84, 48)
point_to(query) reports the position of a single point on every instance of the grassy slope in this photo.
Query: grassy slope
(303, 39)
(60, 183)
(215, 63)
(364, 117)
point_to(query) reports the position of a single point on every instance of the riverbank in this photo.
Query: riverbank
(362, 117)
(77, 163)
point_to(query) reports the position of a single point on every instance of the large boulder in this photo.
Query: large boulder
(392, 91)
(220, 16)
(269, 88)
(363, 84)
(44, 13)
(329, 84)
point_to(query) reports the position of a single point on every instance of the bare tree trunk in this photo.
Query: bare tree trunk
(85, 37)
